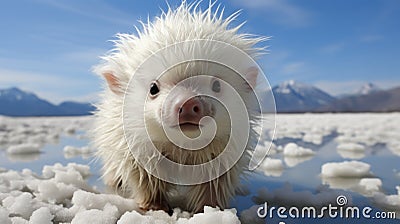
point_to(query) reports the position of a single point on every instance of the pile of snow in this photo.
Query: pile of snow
(61, 195)
(25, 148)
(291, 149)
(354, 169)
(210, 215)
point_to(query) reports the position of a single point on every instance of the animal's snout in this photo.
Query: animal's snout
(191, 111)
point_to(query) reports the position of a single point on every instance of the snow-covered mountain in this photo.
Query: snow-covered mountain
(15, 102)
(293, 96)
(376, 101)
(367, 88)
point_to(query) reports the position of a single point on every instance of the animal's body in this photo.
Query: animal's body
(184, 110)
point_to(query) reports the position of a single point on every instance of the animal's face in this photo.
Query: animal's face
(191, 98)
(186, 100)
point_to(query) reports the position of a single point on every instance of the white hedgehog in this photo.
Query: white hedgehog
(183, 110)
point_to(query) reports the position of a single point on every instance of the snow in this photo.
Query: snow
(4, 216)
(42, 216)
(367, 89)
(61, 194)
(346, 169)
(293, 150)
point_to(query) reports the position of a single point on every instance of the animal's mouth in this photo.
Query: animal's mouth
(188, 126)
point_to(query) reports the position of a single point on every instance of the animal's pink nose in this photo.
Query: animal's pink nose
(191, 111)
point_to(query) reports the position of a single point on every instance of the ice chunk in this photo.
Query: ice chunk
(350, 147)
(134, 217)
(107, 215)
(351, 154)
(213, 215)
(71, 150)
(21, 205)
(4, 219)
(292, 149)
(346, 169)
(83, 200)
(42, 216)
(292, 161)
(271, 164)
(272, 167)
(389, 202)
(371, 184)
(25, 148)
(50, 171)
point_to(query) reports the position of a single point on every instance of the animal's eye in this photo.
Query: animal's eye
(154, 89)
(216, 86)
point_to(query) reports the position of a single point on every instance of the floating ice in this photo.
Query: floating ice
(71, 151)
(292, 149)
(346, 169)
(292, 161)
(371, 184)
(351, 154)
(272, 167)
(389, 202)
(24, 148)
(350, 147)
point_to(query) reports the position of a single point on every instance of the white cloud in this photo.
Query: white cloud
(371, 38)
(93, 9)
(293, 68)
(54, 88)
(344, 87)
(333, 48)
(279, 11)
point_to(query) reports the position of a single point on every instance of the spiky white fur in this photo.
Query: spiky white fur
(120, 169)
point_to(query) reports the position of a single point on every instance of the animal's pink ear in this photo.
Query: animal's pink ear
(113, 83)
(251, 76)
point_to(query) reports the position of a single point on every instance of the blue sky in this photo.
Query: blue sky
(48, 46)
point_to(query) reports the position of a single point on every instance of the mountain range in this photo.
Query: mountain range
(290, 97)
(15, 102)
